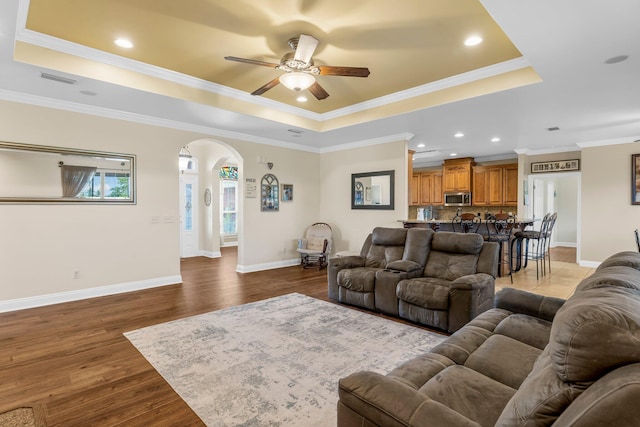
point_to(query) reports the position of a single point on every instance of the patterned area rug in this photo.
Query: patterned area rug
(274, 362)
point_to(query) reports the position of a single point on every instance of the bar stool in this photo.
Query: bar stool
(466, 223)
(541, 242)
(499, 229)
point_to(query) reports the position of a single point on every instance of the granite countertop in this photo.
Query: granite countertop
(439, 221)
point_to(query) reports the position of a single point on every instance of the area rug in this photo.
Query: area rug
(275, 362)
(24, 416)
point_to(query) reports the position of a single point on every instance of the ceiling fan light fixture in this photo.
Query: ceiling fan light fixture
(297, 81)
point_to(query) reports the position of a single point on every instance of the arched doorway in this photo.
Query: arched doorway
(200, 215)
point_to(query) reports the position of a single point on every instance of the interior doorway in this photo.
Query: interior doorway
(203, 212)
(557, 192)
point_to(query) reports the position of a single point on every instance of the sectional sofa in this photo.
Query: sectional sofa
(530, 361)
(441, 280)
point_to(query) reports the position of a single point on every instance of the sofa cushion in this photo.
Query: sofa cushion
(380, 256)
(426, 292)
(383, 236)
(616, 275)
(450, 266)
(417, 371)
(359, 279)
(627, 259)
(540, 399)
(527, 329)
(504, 359)
(469, 393)
(596, 330)
(459, 346)
(459, 243)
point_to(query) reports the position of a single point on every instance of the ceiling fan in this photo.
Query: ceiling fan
(300, 70)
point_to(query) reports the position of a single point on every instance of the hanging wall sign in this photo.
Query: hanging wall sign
(250, 188)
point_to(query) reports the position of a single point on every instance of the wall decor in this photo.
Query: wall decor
(556, 166)
(287, 192)
(373, 190)
(250, 188)
(270, 201)
(207, 197)
(635, 179)
(43, 174)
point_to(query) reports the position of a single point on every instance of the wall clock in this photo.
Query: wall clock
(207, 197)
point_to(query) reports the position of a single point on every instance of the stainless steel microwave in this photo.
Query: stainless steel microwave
(457, 199)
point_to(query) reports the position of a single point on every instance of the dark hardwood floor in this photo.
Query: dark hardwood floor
(73, 359)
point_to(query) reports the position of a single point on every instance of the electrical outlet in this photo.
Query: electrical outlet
(75, 274)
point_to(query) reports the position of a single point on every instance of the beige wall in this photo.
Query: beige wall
(608, 217)
(351, 227)
(116, 247)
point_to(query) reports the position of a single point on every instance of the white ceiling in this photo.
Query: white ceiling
(566, 43)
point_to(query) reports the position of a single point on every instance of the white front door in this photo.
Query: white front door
(188, 215)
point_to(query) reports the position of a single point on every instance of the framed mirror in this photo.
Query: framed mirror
(42, 174)
(372, 190)
(269, 194)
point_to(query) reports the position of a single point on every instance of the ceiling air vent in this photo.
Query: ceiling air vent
(553, 129)
(58, 78)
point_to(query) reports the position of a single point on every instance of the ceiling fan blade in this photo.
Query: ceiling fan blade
(328, 70)
(306, 46)
(318, 91)
(251, 61)
(273, 83)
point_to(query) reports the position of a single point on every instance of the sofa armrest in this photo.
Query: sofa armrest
(405, 265)
(469, 296)
(519, 301)
(340, 263)
(385, 401)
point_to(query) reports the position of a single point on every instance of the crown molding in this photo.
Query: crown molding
(551, 150)
(369, 142)
(41, 101)
(28, 36)
(605, 142)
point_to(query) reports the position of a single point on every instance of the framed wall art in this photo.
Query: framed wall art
(556, 166)
(635, 179)
(287, 192)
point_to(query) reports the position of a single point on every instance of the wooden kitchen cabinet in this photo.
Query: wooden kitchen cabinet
(426, 189)
(495, 185)
(457, 174)
(415, 190)
(510, 185)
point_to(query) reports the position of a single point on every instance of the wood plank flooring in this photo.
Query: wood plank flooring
(73, 359)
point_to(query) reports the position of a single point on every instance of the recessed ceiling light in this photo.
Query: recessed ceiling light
(421, 145)
(495, 139)
(473, 41)
(459, 135)
(123, 43)
(453, 154)
(301, 98)
(616, 59)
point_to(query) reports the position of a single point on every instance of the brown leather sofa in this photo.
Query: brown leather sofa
(530, 361)
(442, 280)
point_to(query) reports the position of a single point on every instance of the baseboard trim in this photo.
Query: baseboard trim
(565, 244)
(210, 254)
(101, 291)
(267, 265)
(590, 264)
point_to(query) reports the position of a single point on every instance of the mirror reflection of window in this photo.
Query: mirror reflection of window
(373, 190)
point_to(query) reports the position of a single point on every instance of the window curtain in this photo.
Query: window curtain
(75, 178)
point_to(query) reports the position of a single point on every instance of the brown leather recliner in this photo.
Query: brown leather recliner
(458, 282)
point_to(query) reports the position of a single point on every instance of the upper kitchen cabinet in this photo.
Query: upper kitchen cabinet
(495, 185)
(426, 189)
(457, 174)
